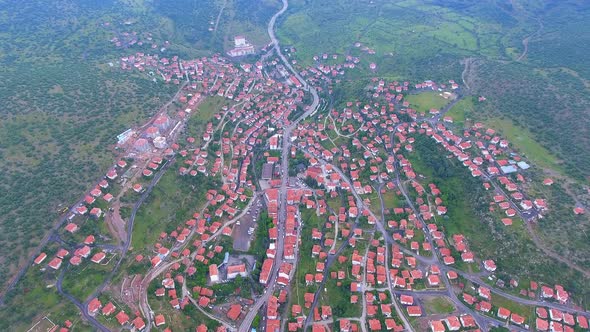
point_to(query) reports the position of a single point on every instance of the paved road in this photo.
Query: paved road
(361, 204)
(144, 306)
(84, 306)
(282, 215)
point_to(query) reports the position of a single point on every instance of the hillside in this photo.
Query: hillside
(64, 99)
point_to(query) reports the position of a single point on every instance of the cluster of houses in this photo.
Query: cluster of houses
(453, 323)
(96, 307)
(550, 319)
(90, 206)
(260, 108)
(482, 302)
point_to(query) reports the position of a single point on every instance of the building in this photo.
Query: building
(141, 145)
(241, 47)
(162, 122)
(160, 142)
(265, 271)
(123, 137)
(236, 270)
(213, 273)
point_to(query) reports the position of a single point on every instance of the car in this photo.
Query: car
(238, 223)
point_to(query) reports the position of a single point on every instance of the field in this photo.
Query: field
(412, 39)
(525, 311)
(523, 140)
(424, 101)
(65, 99)
(462, 110)
(438, 305)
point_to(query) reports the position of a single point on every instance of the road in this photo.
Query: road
(84, 306)
(144, 306)
(49, 237)
(61, 220)
(329, 261)
(286, 147)
(483, 321)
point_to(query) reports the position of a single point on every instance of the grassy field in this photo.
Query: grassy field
(81, 281)
(204, 114)
(411, 39)
(525, 311)
(391, 200)
(461, 110)
(173, 200)
(306, 263)
(424, 101)
(523, 140)
(38, 287)
(438, 305)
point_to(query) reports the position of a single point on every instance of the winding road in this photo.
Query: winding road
(286, 147)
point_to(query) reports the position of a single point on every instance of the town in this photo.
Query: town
(291, 211)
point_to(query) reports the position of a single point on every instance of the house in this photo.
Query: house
(467, 321)
(234, 311)
(266, 270)
(71, 227)
(414, 311)
(406, 300)
(503, 313)
(213, 273)
(98, 257)
(138, 323)
(61, 253)
(159, 320)
(75, 260)
(489, 265)
(453, 323)
(83, 252)
(484, 292)
(108, 309)
(517, 319)
(89, 239)
(55, 263)
(40, 258)
(436, 326)
(374, 325)
(541, 324)
(433, 280)
(122, 317)
(93, 306)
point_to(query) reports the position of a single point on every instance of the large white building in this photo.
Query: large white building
(241, 47)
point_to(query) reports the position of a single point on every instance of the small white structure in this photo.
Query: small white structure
(160, 142)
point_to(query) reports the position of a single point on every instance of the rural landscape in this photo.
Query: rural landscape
(295, 165)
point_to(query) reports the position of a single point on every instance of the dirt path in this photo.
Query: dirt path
(219, 15)
(115, 222)
(467, 74)
(525, 41)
